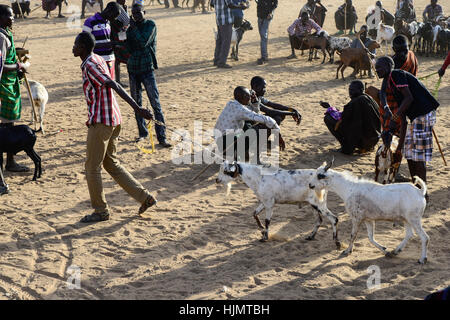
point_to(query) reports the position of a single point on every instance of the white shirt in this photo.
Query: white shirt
(234, 115)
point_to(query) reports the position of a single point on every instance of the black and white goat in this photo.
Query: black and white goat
(272, 185)
(236, 38)
(385, 168)
(20, 138)
(368, 201)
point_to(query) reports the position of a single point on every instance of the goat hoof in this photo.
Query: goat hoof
(338, 245)
(309, 238)
(423, 261)
(390, 254)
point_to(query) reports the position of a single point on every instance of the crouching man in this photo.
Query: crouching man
(231, 122)
(358, 126)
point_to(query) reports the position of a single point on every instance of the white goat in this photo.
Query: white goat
(272, 185)
(385, 33)
(40, 97)
(368, 201)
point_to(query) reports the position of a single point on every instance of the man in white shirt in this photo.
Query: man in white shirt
(231, 121)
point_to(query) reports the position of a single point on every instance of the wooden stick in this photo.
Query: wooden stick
(31, 97)
(20, 9)
(36, 8)
(25, 41)
(439, 146)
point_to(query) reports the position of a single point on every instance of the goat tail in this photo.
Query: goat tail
(422, 185)
(38, 130)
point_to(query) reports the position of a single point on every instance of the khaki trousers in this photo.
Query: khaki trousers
(101, 149)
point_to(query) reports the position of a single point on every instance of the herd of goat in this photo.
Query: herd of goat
(424, 39)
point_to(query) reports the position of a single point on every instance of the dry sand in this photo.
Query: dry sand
(198, 244)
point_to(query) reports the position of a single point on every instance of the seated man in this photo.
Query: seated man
(432, 12)
(230, 123)
(405, 11)
(276, 111)
(298, 30)
(359, 125)
(346, 18)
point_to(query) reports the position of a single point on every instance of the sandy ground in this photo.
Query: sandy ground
(198, 243)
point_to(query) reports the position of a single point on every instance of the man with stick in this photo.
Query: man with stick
(10, 69)
(416, 103)
(104, 125)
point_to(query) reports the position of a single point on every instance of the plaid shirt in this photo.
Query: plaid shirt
(141, 43)
(223, 13)
(300, 30)
(102, 104)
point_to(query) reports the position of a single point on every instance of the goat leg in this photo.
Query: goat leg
(256, 213)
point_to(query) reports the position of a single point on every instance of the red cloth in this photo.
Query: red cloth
(446, 62)
(102, 104)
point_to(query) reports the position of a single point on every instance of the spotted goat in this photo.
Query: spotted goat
(273, 185)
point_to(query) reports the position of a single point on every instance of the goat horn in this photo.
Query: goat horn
(328, 166)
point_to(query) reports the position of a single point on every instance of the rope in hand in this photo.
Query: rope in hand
(152, 143)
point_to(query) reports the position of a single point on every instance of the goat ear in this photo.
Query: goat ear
(328, 166)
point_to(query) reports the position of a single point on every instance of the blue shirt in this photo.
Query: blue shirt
(237, 13)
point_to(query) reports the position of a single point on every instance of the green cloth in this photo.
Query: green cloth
(11, 103)
(141, 43)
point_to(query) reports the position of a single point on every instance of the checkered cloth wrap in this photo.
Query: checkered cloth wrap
(419, 138)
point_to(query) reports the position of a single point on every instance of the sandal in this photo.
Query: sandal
(95, 217)
(149, 202)
(4, 190)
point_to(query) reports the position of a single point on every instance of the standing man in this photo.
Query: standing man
(432, 11)
(119, 28)
(346, 18)
(10, 67)
(104, 125)
(316, 11)
(141, 43)
(175, 4)
(91, 3)
(265, 9)
(416, 103)
(99, 26)
(224, 21)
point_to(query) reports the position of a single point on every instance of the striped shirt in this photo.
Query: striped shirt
(223, 13)
(101, 30)
(102, 104)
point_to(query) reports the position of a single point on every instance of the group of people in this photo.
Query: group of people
(357, 128)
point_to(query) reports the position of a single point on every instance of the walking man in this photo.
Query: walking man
(104, 125)
(264, 11)
(141, 43)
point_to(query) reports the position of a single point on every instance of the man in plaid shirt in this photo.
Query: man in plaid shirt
(224, 21)
(141, 43)
(104, 125)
